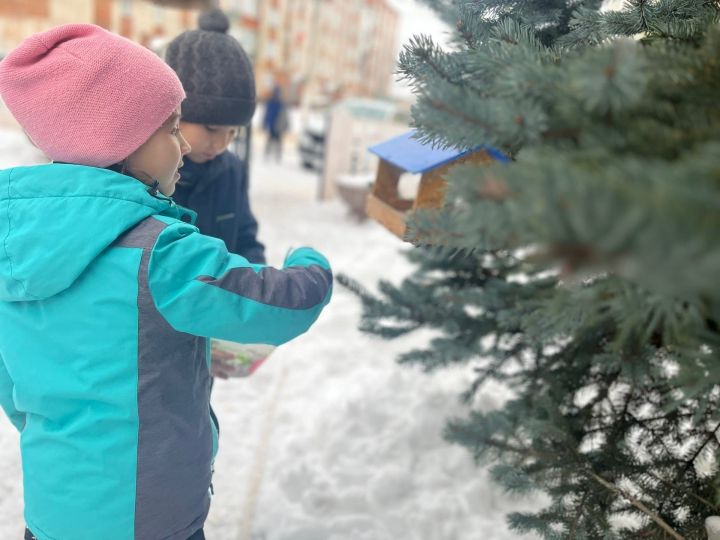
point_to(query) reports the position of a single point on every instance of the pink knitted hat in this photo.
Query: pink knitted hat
(87, 96)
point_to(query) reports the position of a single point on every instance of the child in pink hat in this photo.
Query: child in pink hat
(109, 296)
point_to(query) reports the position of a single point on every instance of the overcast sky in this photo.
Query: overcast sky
(416, 19)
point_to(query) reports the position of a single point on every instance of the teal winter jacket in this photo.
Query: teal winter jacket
(108, 296)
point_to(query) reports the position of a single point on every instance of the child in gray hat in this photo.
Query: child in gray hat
(220, 87)
(218, 80)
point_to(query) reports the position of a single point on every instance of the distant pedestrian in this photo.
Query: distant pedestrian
(275, 123)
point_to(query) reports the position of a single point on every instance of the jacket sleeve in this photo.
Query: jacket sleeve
(6, 398)
(246, 243)
(202, 289)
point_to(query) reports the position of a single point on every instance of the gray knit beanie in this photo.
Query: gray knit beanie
(215, 72)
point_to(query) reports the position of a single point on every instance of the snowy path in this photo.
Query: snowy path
(355, 450)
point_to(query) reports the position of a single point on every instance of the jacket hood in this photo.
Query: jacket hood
(56, 219)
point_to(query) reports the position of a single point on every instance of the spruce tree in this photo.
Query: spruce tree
(584, 274)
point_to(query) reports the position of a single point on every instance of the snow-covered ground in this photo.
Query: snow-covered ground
(330, 439)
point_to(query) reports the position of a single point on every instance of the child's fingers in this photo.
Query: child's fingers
(219, 354)
(219, 374)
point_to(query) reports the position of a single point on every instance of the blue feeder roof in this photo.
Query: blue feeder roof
(415, 157)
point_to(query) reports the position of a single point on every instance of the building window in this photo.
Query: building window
(271, 50)
(125, 7)
(16, 9)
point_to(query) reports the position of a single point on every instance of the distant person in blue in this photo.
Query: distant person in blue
(275, 123)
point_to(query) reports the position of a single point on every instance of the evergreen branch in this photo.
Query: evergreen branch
(419, 53)
(440, 106)
(442, 74)
(525, 452)
(550, 134)
(579, 511)
(643, 19)
(710, 437)
(615, 147)
(637, 504)
(487, 373)
(658, 438)
(713, 507)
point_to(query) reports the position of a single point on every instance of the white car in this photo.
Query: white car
(312, 141)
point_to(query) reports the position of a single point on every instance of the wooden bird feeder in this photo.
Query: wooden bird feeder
(405, 154)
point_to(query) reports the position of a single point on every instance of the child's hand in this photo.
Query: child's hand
(221, 362)
(229, 360)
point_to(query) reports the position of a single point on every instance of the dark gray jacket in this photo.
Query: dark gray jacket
(218, 192)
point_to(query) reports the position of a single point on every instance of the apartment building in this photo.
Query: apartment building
(312, 47)
(326, 46)
(138, 20)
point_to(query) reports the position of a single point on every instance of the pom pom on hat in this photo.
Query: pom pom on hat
(214, 21)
